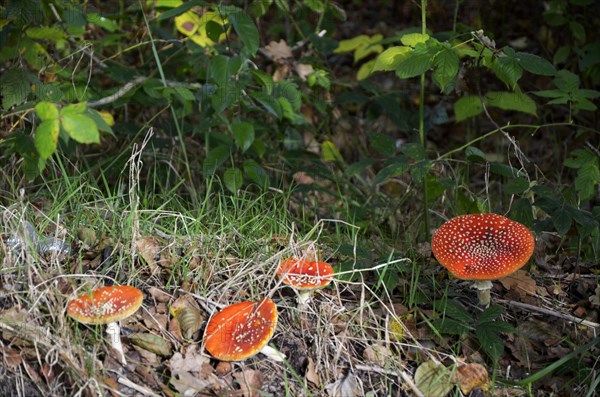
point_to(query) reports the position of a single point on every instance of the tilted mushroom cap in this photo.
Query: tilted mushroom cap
(305, 275)
(482, 246)
(240, 330)
(106, 305)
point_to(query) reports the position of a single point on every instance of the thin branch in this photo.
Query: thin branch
(549, 312)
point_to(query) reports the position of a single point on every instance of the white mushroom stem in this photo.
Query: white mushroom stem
(273, 353)
(114, 335)
(483, 291)
(304, 296)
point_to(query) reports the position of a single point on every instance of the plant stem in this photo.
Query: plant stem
(422, 123)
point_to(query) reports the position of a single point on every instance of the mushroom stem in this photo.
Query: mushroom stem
(304, 297)
(114, 335)
(483, 291)
(273, 353)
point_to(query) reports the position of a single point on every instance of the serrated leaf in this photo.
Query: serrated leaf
(535, 64)
(315, 5)
(445, 65)
(215, 158)
(100, 118)
(450, 326)
(243, 132)
(265, 79)
(390, 58)
(245, 29)
(371, 48)
(412, 39)
(448, 308)
(233, 179)
(103, 22)
(508, 70)
(365, 70)
(566, 81)
(490, 341)
(467, 106)
(80, 127)
(254, 172)
(415, 63)
(14, 87)
(46, 138)
(490, 314)
(73, 109)
(516, 101)
(270, 104)
(562, 220)
(188, 5)
(46, 111)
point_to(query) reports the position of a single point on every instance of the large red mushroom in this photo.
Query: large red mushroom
(107, 305)
(241, 330)
(482, 247)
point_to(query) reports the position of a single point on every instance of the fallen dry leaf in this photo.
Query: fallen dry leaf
(250, 382)
(521, 282)
(348, 386)
(470, 376)
(187, 312)
(433, 379)
(377, 354)
(152, 343)
(191, 373)
(311, 374)
(303, 70)
(278, 51)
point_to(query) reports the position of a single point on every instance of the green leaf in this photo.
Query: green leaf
(511, 101)
(416, 63)
(215, 158)
(577, 30)
(448, 308)
(467, 106)
(270, 104)
(391, 58)
(53, 33)
(384, 144)
(73, 109)
(370, 48)
(315, 5)
(330, 152)
(516, 185)
(258, 8)
(490, 341)
(365, 70)
(80, 127)
(561, 54)
(508, 69)
(46, 111)
(474, 154)
(412, 39)
(562, 220)
(233, 179)
(352, 44)
(103, 22)
(46, 138)
(99, 120)
(566, 81)
(256, 173)
(265, 79)
(445, 67)
(14, 87)
(243, 132)
(535, 64)
(490, 314)
(395, 169)
(245, 29)
(450, 326)
(188, 5)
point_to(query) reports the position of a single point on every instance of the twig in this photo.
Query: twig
(564, 316)
(141, 389)
(405, 377)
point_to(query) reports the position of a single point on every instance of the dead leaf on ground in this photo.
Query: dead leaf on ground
(521, 282)
(302, 178)
(470, 376)
(191, 373)
(153, 253)
(347, 386)
(188, 314)
(303, 70)
(433, 379)
(311, 374)
(377, 354)
(250, 382)
(152, 343)
(278, 50)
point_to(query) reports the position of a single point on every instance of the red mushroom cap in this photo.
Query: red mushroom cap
(106, 305)
(482, 246)
(305, 275)
(240, 330)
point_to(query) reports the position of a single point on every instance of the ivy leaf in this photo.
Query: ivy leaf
(46, 138)
(243, 132)
(233, 179)
(80, 127)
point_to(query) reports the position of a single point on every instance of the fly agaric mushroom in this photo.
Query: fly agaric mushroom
(107, 305)
(241, 330)
(305, 276)
(482, 247)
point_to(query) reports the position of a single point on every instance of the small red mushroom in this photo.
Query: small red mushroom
(482, 247)
(241, 330)
(107, 305)
(305, 276)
